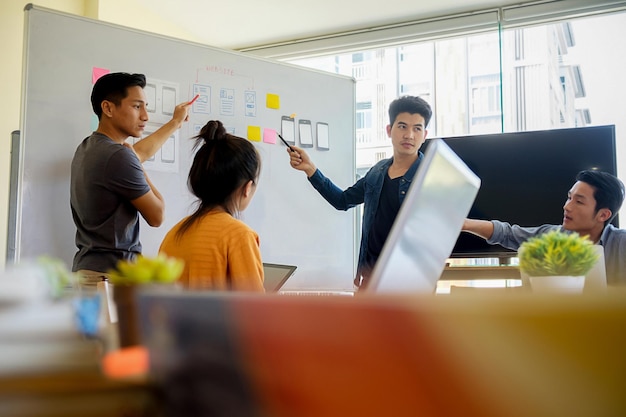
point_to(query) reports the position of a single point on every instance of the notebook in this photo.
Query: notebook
(428, 224)
(276, 275)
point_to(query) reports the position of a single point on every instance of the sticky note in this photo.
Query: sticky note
(254, 133)
(272, 101)
(129, 361)
(269, 135)
(97, 73)
(94, 123)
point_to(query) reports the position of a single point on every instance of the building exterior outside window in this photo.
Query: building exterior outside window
(514, 80)
(558, 75)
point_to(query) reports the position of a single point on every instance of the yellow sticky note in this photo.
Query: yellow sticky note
(272, 101)
(254, 133)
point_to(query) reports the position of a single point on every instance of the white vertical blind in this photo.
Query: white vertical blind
(546, 11)
(526, 13)
(378, 37)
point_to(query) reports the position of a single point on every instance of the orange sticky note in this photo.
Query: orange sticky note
(272, 101)
(126, 362)
(254, 133)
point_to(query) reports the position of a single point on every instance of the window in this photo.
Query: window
(541, 76)
(545, 76)
(364, 129)
(364, 115)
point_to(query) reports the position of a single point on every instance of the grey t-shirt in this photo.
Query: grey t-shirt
(105, 177)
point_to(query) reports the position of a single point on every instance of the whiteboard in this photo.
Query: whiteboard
(63, 54)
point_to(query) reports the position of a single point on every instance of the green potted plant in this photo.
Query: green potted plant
(145, 270)
(127, 277)
(553, 257)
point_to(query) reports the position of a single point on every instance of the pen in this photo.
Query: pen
(285, 142)
(193, 99)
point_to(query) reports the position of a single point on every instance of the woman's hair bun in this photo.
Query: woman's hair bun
(213, 130)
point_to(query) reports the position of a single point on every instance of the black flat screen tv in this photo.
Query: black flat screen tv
(526, 176)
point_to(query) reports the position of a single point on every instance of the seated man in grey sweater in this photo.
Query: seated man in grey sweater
(592, 202)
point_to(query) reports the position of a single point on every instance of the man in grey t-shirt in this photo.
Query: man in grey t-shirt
(108, 185)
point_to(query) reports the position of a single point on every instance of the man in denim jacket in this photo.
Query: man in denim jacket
(384, 186)
(592, 202)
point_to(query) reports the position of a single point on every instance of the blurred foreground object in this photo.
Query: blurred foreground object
(146, 270)
(127, 277)
(48, 368)
(513, 355)
(35, 281)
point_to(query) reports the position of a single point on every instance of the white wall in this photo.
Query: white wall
(11, 33)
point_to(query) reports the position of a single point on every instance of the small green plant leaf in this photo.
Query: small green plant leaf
(557, 253)
(145, 270)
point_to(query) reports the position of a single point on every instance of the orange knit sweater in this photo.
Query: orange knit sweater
(220, 253)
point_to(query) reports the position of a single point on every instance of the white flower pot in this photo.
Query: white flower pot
(558, 283)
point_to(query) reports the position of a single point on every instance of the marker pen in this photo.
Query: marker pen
(286, 143)
(193, 99)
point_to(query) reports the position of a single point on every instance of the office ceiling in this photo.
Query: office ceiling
(237, 24)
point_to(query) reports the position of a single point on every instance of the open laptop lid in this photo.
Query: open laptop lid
(427, 225)
(276, 275)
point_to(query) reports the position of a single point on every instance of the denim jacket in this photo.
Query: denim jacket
(366, 190)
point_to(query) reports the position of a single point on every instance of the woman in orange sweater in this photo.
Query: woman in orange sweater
(220, 251)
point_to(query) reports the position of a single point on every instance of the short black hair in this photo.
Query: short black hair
(113, 87)
(411, 105)
(608, 190)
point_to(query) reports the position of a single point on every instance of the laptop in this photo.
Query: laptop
(276, 275)
(428, 224)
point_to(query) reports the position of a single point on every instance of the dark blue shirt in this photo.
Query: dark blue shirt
(388, 207)
(366, 190)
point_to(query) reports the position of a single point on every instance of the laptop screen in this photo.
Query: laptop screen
(276, 275)
(427, 225)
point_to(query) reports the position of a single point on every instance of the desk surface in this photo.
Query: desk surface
(480, 272)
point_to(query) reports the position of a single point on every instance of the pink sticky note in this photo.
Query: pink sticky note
(269, 135)
(97, 73)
